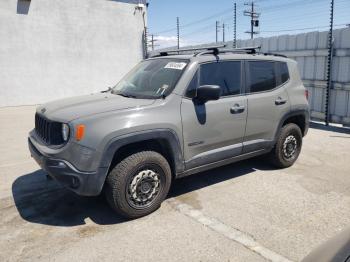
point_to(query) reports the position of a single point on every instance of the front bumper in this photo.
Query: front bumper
(82, 183)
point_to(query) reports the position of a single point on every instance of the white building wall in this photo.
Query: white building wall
(60, 48)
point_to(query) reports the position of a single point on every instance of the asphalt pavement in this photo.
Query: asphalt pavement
(246, 211)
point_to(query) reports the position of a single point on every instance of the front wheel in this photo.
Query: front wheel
(288, 146)
(138, 184)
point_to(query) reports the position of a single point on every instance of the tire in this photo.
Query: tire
(285, 151)
(138, 184)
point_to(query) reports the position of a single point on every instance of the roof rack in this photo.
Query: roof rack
(247, 50)
(214, 48)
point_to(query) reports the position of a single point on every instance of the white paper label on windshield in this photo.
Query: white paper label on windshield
(176, 65)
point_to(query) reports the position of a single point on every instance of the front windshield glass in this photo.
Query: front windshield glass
(151, 78)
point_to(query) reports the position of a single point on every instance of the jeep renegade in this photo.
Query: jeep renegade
(172, 116)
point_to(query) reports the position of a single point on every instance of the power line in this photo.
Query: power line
(255, 19)
(197, 21)
(301, 17)
(274, 8)
(208, 18)
(316, 7)
(298, 29)
(206, 28)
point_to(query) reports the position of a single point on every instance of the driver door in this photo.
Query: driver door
(214, 131)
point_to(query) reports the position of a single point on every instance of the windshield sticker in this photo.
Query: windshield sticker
(176, 65)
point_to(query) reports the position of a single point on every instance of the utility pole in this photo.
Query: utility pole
(254, 19)
(223, 32)
(234, 27)
(217, 30)
(329, 64)
(152, 41)
(178, 32)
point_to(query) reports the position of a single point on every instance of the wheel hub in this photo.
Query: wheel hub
(143, 188)
(290, 146)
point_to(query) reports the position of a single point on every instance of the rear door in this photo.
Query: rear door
(215, 130)
(267, 82)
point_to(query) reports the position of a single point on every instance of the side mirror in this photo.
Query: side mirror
(208, 92)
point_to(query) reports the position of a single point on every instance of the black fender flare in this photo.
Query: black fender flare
(296, 112)
(165, 134)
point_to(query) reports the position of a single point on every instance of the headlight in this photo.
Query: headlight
(65, 132)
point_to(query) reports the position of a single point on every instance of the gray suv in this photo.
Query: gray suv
(172, 116)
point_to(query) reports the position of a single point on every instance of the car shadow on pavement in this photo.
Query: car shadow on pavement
(225, 173)
(43, 201)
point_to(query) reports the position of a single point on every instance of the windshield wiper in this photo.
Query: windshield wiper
(138, 96)
(125, 95)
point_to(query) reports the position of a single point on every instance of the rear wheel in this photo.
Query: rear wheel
(138, 184)
(288, 146)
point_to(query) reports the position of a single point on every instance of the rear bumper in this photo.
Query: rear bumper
(82, 183)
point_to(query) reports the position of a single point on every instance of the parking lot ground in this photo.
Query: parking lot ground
(246, 211)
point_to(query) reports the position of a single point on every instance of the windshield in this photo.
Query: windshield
(151, 78)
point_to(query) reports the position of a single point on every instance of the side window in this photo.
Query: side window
(227, 75)
(262, 76)
(192, 87)
(283, 73)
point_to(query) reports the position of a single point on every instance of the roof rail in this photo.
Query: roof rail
(251, 50)
(275, 54)
(208, 48)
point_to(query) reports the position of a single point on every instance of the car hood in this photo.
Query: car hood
(68, 109)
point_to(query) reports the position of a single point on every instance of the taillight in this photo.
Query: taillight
(307, 94)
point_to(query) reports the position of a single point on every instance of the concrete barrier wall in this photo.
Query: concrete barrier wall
(310, 51)
(60, 48)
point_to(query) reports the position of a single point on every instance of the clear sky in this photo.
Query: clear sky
(197, 18)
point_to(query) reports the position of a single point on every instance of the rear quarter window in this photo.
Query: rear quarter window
(282, 72)
(262, 76)
(266, 75)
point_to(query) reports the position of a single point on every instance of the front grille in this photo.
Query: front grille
(48, 131)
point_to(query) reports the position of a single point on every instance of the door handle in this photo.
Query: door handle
(237, 109)
(280, 101)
